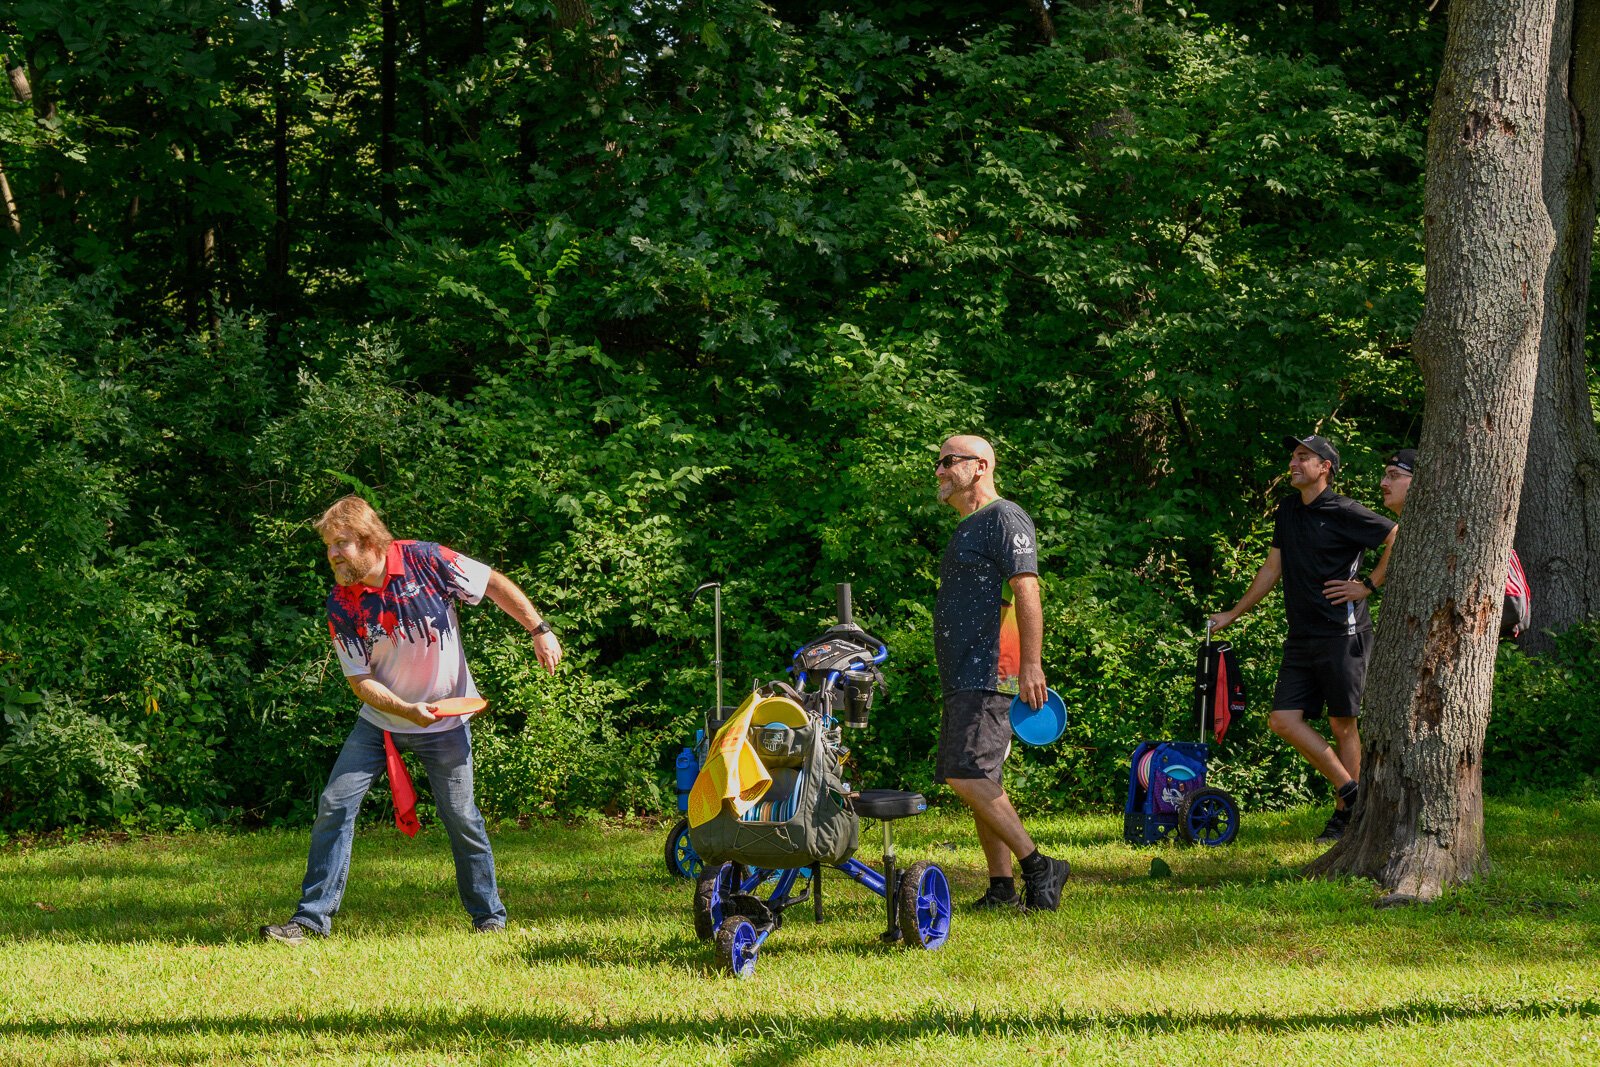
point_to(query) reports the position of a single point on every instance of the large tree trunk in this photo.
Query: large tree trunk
(1558, 533)
(1488, 243)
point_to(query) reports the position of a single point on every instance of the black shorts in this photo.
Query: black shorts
(974, 735)
(1323, 673)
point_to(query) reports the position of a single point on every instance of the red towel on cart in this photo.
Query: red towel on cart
(1218, 688)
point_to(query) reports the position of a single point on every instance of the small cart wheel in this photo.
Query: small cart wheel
(682, 860)
(924, 905)
(713, 889)
(1208, 817)
(736, 948)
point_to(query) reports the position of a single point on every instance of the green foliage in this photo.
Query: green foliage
(61, 765)
(676, 293)
(65, 415)
(564, 749)
(1544, 734)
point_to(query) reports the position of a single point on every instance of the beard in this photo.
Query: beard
(949, 487)
(351, 571)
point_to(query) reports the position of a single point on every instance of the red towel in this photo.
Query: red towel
(1220, 697)
(405, 794)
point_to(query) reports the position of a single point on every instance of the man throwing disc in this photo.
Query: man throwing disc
(393, 620)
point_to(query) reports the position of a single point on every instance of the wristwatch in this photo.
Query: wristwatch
(1368, 583)
(542, 628)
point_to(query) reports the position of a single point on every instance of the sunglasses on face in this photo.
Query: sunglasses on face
(944, 463)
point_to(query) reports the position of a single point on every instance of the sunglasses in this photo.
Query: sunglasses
(944, 463)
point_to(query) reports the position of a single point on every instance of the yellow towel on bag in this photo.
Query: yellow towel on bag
(733, 772)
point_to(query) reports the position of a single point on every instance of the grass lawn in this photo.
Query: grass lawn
(145, 953)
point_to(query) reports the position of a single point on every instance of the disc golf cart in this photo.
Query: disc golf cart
(1167, 788)
(808, 819)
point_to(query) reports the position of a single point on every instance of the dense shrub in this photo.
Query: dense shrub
(1544, 733)
(689, 293)
(62, 766)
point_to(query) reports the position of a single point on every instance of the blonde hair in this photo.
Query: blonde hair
(355, 516)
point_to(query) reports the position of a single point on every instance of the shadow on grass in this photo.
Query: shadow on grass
(768, 1037)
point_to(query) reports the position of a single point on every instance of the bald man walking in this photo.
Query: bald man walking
(988, 636)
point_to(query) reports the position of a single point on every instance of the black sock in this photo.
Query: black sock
(1348, 793)
(1002, 888)
(1033, 863)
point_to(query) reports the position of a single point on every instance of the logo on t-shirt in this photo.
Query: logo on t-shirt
(1022, 543)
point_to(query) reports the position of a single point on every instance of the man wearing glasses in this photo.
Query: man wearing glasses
(988, 635)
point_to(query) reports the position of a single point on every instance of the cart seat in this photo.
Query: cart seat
(888, 804)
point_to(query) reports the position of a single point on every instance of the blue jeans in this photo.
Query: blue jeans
(447, 757)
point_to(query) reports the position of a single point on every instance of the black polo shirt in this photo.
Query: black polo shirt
(1323, 541)
(976, 641)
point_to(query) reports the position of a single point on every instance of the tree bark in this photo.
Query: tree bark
(13, 217)
(1042, 21)
(1488, 242)
(574, 15)
(23, 93)
(19, 82)
(1558, 532)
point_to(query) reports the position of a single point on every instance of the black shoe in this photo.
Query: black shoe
(489, 926)
(1337, 822)
(290, 933)
(992, 901)
(1042, 889)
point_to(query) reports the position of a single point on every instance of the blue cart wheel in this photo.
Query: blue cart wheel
(1208, 817)
(736, 948)
(682, 860)
(924, 905)
(713, 889)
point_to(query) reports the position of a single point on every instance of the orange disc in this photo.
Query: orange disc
(458, 705)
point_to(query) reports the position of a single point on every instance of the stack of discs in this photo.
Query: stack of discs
(1144, 769)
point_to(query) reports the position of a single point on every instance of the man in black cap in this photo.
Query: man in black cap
(1396, 484)
(1318, 540)
(1396, 481)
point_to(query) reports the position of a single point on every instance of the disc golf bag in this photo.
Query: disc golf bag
(801, 819)
(1519, 601)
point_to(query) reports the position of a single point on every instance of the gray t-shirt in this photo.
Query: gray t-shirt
(975, 636)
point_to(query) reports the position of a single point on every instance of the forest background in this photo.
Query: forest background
(619, 298)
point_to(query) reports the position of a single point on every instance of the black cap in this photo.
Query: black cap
(1404, 458)
(1319, 445)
